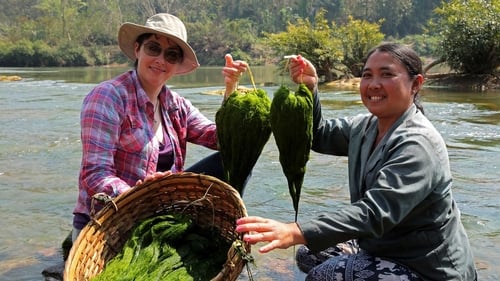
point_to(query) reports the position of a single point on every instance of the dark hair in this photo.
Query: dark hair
(140, 39)
(408, 57)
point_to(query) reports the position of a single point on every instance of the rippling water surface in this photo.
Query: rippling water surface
(40, 156)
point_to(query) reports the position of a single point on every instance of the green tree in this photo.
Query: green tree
(97, 22)
(214, 26)
(211, 40)
(358, 37)
(470, 32)
(313, 41)
(415, 21)
(58, 19)
(332, 49)
(393, 12)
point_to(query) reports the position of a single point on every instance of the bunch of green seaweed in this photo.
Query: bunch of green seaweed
(292, 126)
(168, 247)
(243, 128)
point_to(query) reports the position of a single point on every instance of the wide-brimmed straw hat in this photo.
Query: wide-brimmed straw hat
(162, 24)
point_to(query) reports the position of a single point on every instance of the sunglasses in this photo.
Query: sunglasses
(172, 55)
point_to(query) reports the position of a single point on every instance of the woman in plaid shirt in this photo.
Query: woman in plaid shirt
(133, 127)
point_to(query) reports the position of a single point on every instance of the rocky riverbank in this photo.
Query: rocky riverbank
(476, 83)
(9, 78)
(479, 82)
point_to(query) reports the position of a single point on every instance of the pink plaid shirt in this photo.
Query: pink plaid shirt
(117, 136)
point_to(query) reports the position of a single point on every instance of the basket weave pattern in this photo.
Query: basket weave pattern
(208, 201)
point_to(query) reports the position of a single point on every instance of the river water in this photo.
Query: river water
(40, 156)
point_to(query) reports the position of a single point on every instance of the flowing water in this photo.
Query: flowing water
(40, 156)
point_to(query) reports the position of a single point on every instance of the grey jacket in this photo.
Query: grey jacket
(402, 207)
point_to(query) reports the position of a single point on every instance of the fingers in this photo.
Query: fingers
(298, 67)
(303, 71)
(231, 75)
(154, 176)
(158, 175)
(297, 63)
(258, 230)
(252, 223)
(167, 173)
(149, 178)
(234, 66)
(269, 247)
(279, 235)
(256, 237)
(229, 60)
(232, 72)
(250, 219)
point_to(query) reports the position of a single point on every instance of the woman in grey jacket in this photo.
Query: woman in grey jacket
(402, 223)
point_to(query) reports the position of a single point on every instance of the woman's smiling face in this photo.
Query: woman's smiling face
(154, 71)
(386, 87)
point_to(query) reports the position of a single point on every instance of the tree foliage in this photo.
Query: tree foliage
(470, 32)
(217, 38)
(333, 33)
(358, 37)
(331, 48)
(315, 41)
(214, 26)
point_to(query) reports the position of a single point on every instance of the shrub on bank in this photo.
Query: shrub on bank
(24, 53)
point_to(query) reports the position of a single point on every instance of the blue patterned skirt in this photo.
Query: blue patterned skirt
(345, 262)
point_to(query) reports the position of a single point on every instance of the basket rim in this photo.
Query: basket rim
(101, 219)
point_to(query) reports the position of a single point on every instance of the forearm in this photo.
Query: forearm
(100, 178)
(317, 114)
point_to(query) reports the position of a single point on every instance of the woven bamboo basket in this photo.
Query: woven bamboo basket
(208, 201)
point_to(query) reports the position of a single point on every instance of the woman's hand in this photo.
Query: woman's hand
(303, 71)
(154, 176)
(279, 235)
(232, 73)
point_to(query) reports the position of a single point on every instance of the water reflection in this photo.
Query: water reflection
(202, 77)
